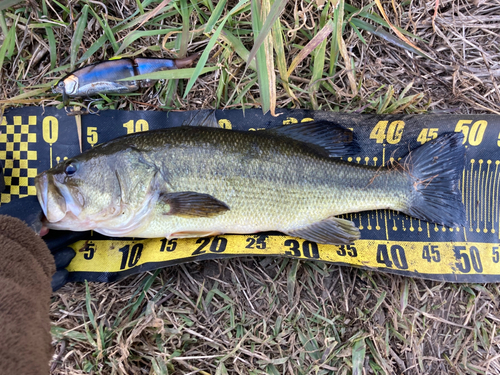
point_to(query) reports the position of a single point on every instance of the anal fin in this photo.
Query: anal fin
(333, 231)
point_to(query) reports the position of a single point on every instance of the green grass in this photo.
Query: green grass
(259, 32)
(230, 317)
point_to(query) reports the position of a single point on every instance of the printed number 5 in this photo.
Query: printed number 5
(92, 136)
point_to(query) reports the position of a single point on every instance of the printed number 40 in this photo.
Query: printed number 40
(392, 133)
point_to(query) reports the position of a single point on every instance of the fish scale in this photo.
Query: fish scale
(195, 181)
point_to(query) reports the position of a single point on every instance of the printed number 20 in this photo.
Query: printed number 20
(218, 245)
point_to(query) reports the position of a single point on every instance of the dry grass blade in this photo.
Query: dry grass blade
(399, 33)
(28, 94)
(270, 19)
(339, 8)
(147, 16)
(264, 57)
(309, 47)
(279, 48)
(77, 39)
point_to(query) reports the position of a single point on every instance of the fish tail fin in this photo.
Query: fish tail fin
(434, 170)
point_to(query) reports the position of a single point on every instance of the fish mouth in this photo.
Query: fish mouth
(52, 202)
(55, 198)
(41, 185)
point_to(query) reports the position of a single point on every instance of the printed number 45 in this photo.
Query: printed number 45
(427, 134)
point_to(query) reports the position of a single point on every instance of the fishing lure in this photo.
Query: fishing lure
(104, 77)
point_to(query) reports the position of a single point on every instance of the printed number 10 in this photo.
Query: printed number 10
(139, 126)
(130, 257)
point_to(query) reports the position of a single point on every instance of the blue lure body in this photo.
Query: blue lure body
(104, 77)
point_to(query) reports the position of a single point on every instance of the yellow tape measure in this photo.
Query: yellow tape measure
(443, 261)
(34, 139)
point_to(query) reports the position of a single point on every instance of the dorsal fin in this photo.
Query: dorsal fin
(325, 137)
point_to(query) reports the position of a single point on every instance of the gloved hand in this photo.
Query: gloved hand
(28, 210)
(25, 272)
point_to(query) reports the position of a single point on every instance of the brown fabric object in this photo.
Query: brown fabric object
(26, 269)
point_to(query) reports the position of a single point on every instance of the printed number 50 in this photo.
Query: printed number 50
(464, 260)
(472, 134)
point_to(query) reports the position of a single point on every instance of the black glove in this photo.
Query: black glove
(28, 210)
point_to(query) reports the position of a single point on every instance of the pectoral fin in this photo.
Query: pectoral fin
(191, 204)
(332, 231)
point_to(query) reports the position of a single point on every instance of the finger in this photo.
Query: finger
(59, 279)
(64, 257)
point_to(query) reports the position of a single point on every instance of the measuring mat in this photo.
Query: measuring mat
(35, 139)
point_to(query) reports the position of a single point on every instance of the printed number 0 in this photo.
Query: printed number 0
(50, 129)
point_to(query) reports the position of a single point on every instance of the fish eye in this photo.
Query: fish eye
(70, 169)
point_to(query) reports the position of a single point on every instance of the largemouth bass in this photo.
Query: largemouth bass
(195, 181)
